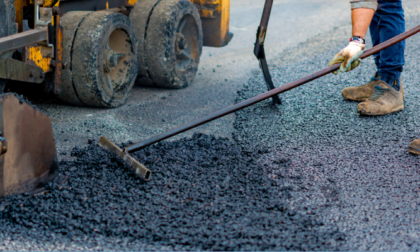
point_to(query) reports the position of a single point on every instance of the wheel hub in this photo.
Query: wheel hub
(113, 59)
(181, 43)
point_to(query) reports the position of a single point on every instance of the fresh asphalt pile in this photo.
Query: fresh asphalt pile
(206, 193)
(355, 171)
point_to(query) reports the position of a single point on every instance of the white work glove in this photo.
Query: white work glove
(349, 57)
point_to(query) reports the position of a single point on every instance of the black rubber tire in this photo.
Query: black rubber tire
(139, 17)
(98, 33)
(70, 22)
(163, 64)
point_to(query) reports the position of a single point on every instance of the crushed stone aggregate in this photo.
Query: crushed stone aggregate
(206, 193)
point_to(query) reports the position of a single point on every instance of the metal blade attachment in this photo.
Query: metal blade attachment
(28, 159)
(139, 169)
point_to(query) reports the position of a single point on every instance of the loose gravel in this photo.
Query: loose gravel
(355, 168)
(206, 193)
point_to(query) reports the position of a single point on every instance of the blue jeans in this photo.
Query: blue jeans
(387, 23)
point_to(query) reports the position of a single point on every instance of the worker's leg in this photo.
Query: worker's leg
(376, 40)
(390, 17)
(389, 96)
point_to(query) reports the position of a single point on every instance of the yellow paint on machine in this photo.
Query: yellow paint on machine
(216, 5)
(38, 55)
(49, 3)
(225, 13)
(19, 14)
(132, 2)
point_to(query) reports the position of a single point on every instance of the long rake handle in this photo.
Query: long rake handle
(140, 145)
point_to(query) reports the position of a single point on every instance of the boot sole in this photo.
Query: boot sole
(363, 99)
(358, 100)
(363, 112)
(413, 150)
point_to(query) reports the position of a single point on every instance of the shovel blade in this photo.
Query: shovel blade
(139, 169)
(28, 159)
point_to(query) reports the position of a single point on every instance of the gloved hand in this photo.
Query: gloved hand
(349, 57)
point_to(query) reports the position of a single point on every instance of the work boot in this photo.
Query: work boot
(362, 93)
(385, 100)
(414, 147)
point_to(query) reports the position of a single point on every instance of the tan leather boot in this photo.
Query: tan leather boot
(362, 93)
(384, 100)
(414, 147)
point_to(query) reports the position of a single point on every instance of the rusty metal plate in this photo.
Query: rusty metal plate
(30, 159)
(11, 69)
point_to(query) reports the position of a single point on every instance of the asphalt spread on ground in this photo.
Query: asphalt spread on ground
(206, 193)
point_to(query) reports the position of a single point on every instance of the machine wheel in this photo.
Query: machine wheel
(104, 60)
(173, 42)
(139, 17)
(70, 22)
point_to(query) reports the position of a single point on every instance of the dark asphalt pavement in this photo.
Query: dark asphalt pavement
(356, 169)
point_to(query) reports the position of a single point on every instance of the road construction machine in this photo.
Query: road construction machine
(92, 52)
